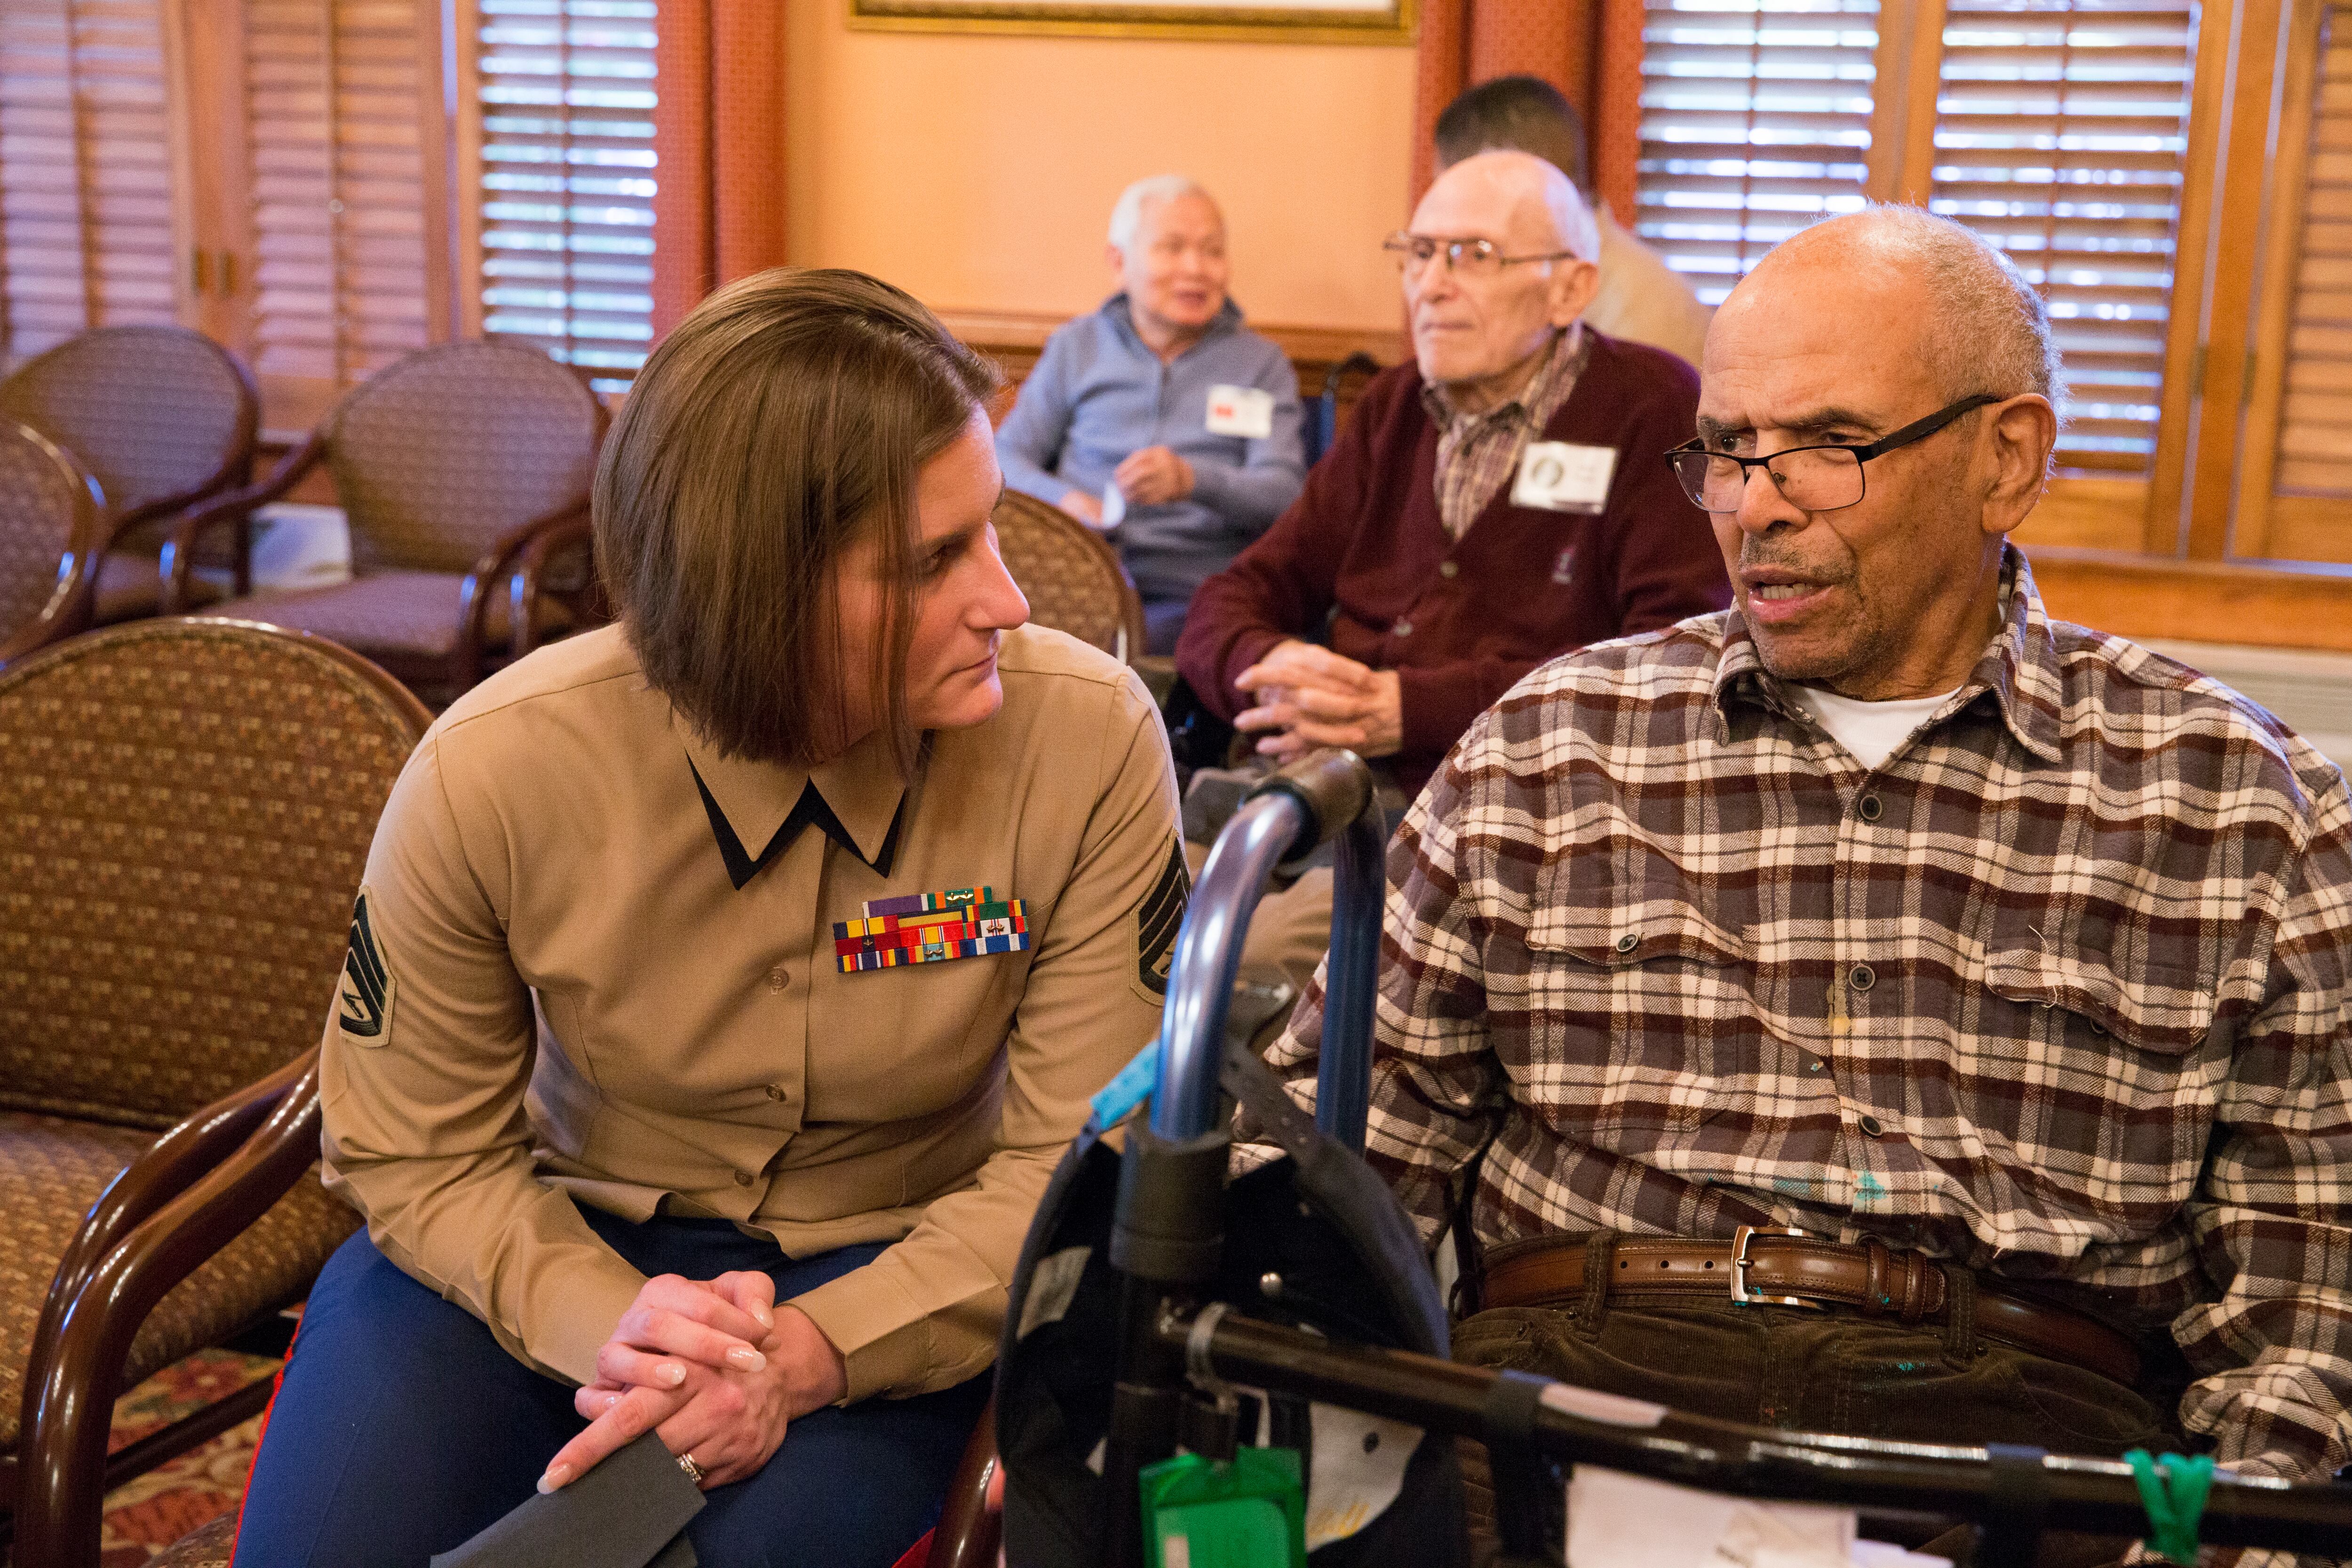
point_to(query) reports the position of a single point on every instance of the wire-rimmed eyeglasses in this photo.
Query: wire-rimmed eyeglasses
(1818, 479)
(1464, 258)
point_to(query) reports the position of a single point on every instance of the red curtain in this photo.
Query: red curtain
(718, 137)
(1589, 49)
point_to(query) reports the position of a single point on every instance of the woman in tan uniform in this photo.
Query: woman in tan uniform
(726, 983)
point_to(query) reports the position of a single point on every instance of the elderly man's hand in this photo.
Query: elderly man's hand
(1154, 477)
(729, 1411)
(1309, 697)
(1087, 509)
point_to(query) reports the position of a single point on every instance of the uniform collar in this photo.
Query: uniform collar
(757, 809)
(2019, 666)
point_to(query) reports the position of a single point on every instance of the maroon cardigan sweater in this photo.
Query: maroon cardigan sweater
(1461, 622)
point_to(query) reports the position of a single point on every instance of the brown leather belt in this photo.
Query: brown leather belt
(1788, 1268)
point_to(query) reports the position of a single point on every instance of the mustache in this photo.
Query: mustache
(1755, 556)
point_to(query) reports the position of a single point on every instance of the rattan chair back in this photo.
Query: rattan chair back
(186, 809)
(155, 414)
(1072, 578)
(441, 455)
(51, 529)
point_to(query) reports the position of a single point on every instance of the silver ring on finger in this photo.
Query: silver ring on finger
(693, 1471)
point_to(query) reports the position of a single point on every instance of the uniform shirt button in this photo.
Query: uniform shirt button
(1872, 1127)
(1862, 979)
(1869, 807)
(1449, 569)
(742, 1178)
(778, 977)
(1629, 941)
(775, 1092)
(1403, 629)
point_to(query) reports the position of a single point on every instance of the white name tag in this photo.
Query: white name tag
(1559, 477)
(1241, 411)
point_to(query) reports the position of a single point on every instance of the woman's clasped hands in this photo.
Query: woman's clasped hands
(713, 1367)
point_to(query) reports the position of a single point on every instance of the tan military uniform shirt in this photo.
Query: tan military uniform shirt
(696, 1049)
(1641, 299)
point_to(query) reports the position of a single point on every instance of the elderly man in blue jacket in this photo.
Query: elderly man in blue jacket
(1160, 418)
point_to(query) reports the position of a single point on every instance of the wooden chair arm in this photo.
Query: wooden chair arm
(235, 509)
(70, 1398)
(970, 1530)
(174, 1163)
(520, 553)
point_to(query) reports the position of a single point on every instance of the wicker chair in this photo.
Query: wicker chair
(52, 530)
(1072, 578)
(163, 418)
(462, 469)
(186, 806)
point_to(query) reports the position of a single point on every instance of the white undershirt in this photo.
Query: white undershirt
(1871, 730)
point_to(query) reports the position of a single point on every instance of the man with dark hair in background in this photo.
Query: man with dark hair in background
(1640, 299)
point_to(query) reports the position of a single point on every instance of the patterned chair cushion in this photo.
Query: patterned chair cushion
(209, 1547)
(52, 1170)
(439, 456)
(399, 614)
(152, 411)
(42, 504)
(184, 812)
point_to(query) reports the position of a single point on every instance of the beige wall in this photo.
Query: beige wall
(978, 171)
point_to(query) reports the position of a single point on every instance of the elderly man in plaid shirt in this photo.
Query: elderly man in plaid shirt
(2004, 960)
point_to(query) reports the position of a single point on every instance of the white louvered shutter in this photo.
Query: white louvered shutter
(566, 94)
(334, 97)
(1756, 120)
(86, 235)
(2061, 130)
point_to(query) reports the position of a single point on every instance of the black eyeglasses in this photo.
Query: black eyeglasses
(1818, 479)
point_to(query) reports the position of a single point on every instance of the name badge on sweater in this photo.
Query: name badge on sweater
(1558, 476)
(931, 928)
(1241, 411)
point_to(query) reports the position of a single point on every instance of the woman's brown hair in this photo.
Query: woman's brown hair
(787, 414)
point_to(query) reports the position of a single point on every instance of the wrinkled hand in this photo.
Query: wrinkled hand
(1309, 697)
(1154, 477)
(713, 1368)
(1087, 509)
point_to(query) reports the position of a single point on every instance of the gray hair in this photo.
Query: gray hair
(1993, 330)
(1126, 213)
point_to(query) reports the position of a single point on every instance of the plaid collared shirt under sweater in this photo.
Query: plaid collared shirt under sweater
(2058, 991)
(1477, 452)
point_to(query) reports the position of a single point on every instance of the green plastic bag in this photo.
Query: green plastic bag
(1248, 1513)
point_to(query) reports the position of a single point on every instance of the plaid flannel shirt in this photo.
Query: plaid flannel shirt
(1477, 452)
(2059, 991)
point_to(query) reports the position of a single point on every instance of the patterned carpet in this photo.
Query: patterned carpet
(145, 1515)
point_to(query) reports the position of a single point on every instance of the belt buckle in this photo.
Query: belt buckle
(1741, 1291)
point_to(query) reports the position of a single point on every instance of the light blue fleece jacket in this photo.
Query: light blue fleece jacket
(1097, 395)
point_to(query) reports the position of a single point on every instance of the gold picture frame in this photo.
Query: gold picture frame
(1332, 22)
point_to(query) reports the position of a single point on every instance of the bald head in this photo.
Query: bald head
(1980, 326)
(1519, 199)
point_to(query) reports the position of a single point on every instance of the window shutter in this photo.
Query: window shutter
(2061, 129)
(85, 169)
(335, 93)
(2316, 430)
(566, 95)
(1755, 121)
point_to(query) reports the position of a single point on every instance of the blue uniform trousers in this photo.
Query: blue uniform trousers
(402, 1427)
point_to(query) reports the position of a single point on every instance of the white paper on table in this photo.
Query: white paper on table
(1617, 1520)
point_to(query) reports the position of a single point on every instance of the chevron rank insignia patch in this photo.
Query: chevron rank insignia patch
(931, 928)
(1157, 920)
(369, 989)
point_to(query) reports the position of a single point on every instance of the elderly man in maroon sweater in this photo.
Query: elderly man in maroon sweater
(1498, 502)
